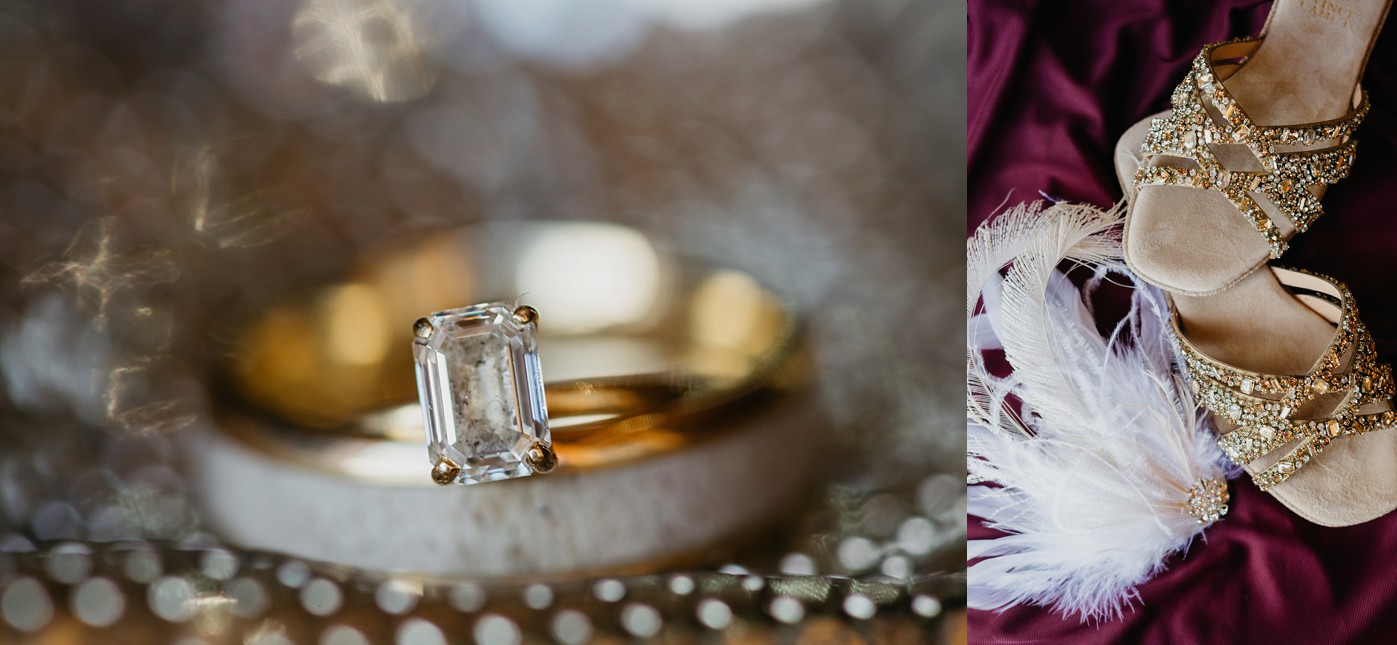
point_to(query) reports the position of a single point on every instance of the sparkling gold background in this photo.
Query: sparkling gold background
(161, 159)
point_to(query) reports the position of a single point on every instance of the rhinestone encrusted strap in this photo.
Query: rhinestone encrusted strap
(1262, 407)
(1288, 178)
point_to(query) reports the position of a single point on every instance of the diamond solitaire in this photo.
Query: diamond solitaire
(482, 394)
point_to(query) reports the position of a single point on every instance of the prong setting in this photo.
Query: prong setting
(445, 472)
(423, 328)
(541, 458)
(526, 315)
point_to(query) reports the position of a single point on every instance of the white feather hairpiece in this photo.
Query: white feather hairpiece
(1100, 460)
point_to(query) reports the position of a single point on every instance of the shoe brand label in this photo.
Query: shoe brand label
(1328, 10)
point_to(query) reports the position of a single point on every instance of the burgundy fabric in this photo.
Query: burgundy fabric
(1051, 86)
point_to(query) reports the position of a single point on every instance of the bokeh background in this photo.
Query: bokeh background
(159, 160)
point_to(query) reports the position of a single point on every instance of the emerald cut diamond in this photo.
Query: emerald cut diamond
(481, 390)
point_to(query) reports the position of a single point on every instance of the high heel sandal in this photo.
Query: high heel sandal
(1259, 128)
(1313, 428)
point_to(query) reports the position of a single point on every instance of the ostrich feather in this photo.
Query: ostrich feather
(1092, 443)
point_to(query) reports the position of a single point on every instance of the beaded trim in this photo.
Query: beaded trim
(1289, 179)
(1261, 407)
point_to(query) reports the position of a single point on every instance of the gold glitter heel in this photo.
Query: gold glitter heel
(1258, 129)
(1311, 431)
